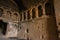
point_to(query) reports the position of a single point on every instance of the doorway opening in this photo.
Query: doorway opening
(3, 27)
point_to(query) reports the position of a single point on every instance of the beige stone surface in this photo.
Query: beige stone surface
(39, 29)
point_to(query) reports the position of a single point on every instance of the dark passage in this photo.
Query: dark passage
(3, 27)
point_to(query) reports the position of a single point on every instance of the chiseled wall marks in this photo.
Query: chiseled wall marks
(39, 29)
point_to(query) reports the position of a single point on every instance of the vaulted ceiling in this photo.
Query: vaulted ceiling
(20, 5)
(24, 4)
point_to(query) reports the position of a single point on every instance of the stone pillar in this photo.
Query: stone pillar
(43, 8)
(22, 16)
(30, 13)
(36, 10)
(26, 16)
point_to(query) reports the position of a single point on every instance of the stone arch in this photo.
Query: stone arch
(28, 14)
(24, 16)
(48, 9)
(18, 16)
(8, 13)
(40, 12)
(15, 16)
(33, 13)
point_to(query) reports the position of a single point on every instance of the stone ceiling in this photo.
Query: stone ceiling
(24, 4)
(8, 4)
(29, 3)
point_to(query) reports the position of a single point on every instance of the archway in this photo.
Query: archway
(33, 13)
(40, 11)
(3, 27)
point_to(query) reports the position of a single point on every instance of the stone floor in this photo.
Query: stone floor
(11, 38)
(5, 38)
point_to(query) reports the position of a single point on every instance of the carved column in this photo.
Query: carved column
(30, 13)
(43, 8)
(36, 10)
(22, 16)
(26, 15)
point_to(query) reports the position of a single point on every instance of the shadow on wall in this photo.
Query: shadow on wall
(51, 21)
(52, 29)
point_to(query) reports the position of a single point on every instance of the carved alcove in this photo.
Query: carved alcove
(3, 27)
(8, 22)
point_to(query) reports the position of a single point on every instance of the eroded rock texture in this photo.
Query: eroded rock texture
(37, 22)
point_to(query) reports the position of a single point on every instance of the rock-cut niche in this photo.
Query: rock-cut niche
(3, 27)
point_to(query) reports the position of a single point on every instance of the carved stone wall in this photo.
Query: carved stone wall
(57, 12)
(35, 23)
(43, 28)
(9, 13)
(38, 23)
